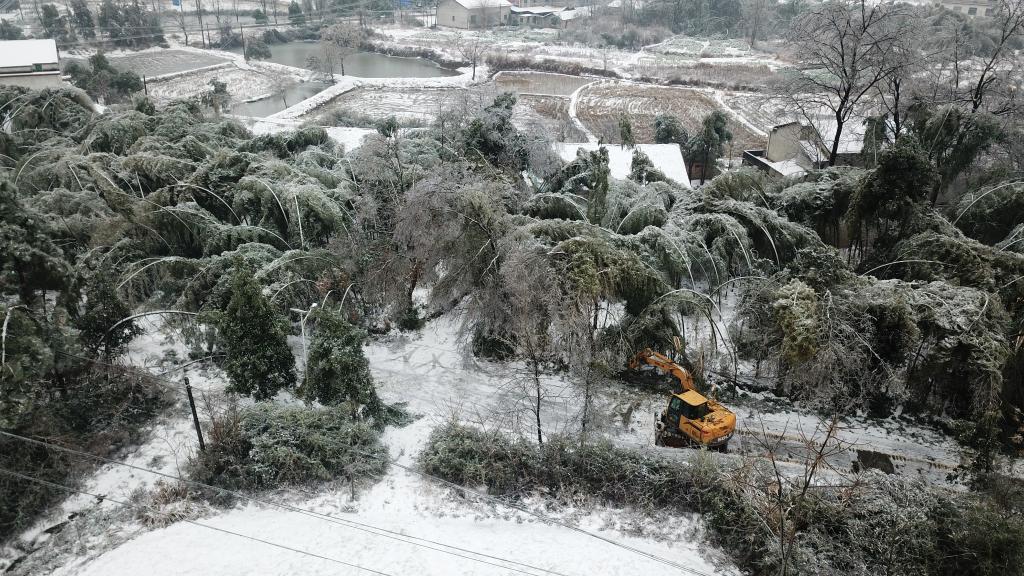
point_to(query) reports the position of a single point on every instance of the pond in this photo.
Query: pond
(278, 101)
(361, 64)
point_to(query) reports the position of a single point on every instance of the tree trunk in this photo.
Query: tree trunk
(835, 141)
(536, 384)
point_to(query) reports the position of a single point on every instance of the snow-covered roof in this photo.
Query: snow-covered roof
(538, 10)
(851, 141)
(666, 157)
(786, 167)
(474, 4)
(569, 14)
(19, 53)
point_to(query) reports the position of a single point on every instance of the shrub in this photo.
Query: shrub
(337, 371)
(266, 446)
(253, 336)
(888, 525)
(97, 411)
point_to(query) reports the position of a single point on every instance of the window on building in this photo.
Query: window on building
(972, 10)
(989, 11)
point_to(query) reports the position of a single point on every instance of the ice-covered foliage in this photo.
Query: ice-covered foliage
(257, 358)
(337, 372)
(265, 446)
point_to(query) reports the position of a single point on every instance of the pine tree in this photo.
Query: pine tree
(337, 370)
(103, 310)
(253, 337)
(83, 19)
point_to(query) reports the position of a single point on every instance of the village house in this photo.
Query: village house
(30, 63)
(970, 7)
(470, 14)
(798, 146)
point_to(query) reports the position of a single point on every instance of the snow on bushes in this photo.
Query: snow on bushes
(266, 446)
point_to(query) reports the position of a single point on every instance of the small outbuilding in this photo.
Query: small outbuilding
(473, 14)
(30, 63)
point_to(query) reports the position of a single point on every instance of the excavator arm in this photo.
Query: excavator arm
(665, 364)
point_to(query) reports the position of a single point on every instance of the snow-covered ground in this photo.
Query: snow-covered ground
(438, 381)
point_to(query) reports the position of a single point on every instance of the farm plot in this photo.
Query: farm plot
(600, 107)
(242, 84)
(542, 83)
(410, 103)
(159, 62)
(703, 48)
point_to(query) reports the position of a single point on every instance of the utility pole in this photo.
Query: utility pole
(195, 416)
(241, 31)
(145, 86)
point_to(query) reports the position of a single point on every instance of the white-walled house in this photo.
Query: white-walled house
(471, 14)
(30, 63)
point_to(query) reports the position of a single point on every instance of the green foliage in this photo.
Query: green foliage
(990, 215)
(796, 308)
(94, 410)
(956, 138)
(626, 132)
(82, 19)
(130, 25)
(642, 170)
(30, 261)
(54, 24)
(883, 524)
(492, 137)
(669, 130)
(267, 446)
(103, 310)
(708, 145)
(102, 81)
(253, 339)
(295, 15)
(10, 31)
(256, 49)
(337, 372)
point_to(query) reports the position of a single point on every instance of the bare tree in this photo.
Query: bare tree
(470, 47)
(755, 15)
(781, 489)
(528, 283)
(847, 48)
(1010, 17)
(343, 41)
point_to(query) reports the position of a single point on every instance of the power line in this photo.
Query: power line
(193, 522)
(364, 527)
(545, 518)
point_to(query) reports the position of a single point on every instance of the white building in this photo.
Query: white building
(970, 7)
(666, 158)
(30, 63)
(468, 14)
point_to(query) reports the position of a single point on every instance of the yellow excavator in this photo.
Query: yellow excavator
(691, 419)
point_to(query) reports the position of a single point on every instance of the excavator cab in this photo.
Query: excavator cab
(690, 418)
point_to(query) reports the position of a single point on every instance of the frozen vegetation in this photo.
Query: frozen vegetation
(266, 314)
